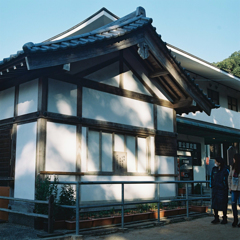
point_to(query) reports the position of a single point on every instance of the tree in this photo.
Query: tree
(231, 64)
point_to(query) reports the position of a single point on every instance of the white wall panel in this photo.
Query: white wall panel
(112, 192)
(108, 75)
(131, 158)
(24, 184)
(7, 103)
(108, 107)
(107, 158)
(119, 143)
(168, 189)
(164, 119)
(60, 147)
(93, 151)
(142, 154)
(28, 97)
(165, 165)
(62, 97)
(131, 82)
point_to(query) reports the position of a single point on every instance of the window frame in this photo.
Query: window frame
(231, 105)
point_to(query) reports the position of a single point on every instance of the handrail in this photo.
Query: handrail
(122, 203)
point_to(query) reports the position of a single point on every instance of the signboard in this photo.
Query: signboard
(194, 148)
(120, 161)
(185, 168)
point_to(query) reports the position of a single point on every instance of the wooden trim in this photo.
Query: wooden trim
(44, 95)
(164, 175)
(158, 73)
(78, 147)
(100, 151)
(61, 118)
(113, 158)
(13, 149)
(79, 101)
(41, 145)
(174, 121)
(87, 131)
(105, 174)
(121, 82)
(16, 99)
(96, 67)
(167, 134)
(136, 152)
(155, 118)
(62, 173)
(115, 127)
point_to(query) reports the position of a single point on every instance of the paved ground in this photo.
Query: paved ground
(195, 229)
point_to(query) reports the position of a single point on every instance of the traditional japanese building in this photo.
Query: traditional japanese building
(99, 101)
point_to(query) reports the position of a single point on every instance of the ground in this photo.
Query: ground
(196, 229)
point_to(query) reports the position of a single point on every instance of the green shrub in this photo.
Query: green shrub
(43, 191)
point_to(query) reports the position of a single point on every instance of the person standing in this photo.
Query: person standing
(234, 187)
(219, 185)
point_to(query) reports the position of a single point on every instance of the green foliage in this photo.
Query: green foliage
(66, 197)
(43, 191)
(231, 64)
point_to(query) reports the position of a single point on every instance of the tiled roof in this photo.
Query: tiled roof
(98, 35)
(120, 27)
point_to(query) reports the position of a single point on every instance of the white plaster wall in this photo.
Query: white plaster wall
(131, 82)
(131, 159)
(165, 165)
(7, 103)
(167, 189)
(93, 151)
(108, 107)
(165, 119)
(60, 147)
(199, 172)
(107, 154)
(28, 97)
(108, 75)
(24, 184)
(143, 73)
(221, 116)
(112, 192)
(62, 97)
(142, 154)
(119, 143)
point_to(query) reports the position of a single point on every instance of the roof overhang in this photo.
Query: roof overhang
(204, 71)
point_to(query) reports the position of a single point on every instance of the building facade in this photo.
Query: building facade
(97, 102)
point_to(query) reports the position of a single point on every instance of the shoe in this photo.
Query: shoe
(235, 222)
(238, 225)
(224, 221)
(216, 220)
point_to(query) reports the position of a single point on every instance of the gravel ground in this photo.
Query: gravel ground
(197, 229)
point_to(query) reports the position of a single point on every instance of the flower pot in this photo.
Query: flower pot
(200, 209)
(181, 191)
(102, 221)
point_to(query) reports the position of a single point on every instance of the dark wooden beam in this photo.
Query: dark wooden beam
(158, 73)
(43, 60)
(162, 54)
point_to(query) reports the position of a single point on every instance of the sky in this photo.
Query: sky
(208, 29)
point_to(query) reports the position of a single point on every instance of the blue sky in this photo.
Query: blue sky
(208, 29)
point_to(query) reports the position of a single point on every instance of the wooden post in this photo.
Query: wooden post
(50, 213)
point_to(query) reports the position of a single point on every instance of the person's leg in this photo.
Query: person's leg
(234, 208)
(216, 217)
(237, 201)
(224, 221)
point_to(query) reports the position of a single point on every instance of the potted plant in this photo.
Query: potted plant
(181, 189)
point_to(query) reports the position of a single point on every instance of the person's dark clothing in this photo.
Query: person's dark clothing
(219, 185)
(235, 200)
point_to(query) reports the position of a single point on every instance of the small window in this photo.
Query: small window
(214, 95)
(215, 150)
(232, 104)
